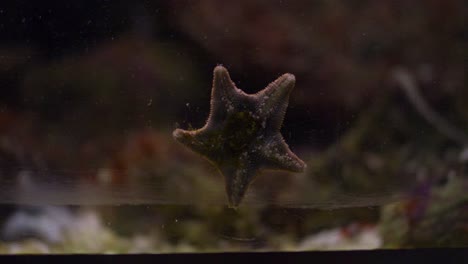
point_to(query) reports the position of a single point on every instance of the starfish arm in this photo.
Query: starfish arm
(275, 154)
(238, 179)
(201, 141)
(224, 95)
(273, 100)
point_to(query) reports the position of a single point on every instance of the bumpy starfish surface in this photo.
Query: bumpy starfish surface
(242, 135)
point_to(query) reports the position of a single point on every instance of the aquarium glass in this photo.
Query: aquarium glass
(221, 126)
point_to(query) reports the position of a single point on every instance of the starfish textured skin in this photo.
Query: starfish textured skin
(242, 134)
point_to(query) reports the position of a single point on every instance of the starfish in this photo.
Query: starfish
(242, 134)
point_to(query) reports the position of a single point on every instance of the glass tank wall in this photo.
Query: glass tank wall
(118, 135)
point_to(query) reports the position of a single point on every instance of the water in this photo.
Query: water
(63, 191)
(90, 94)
